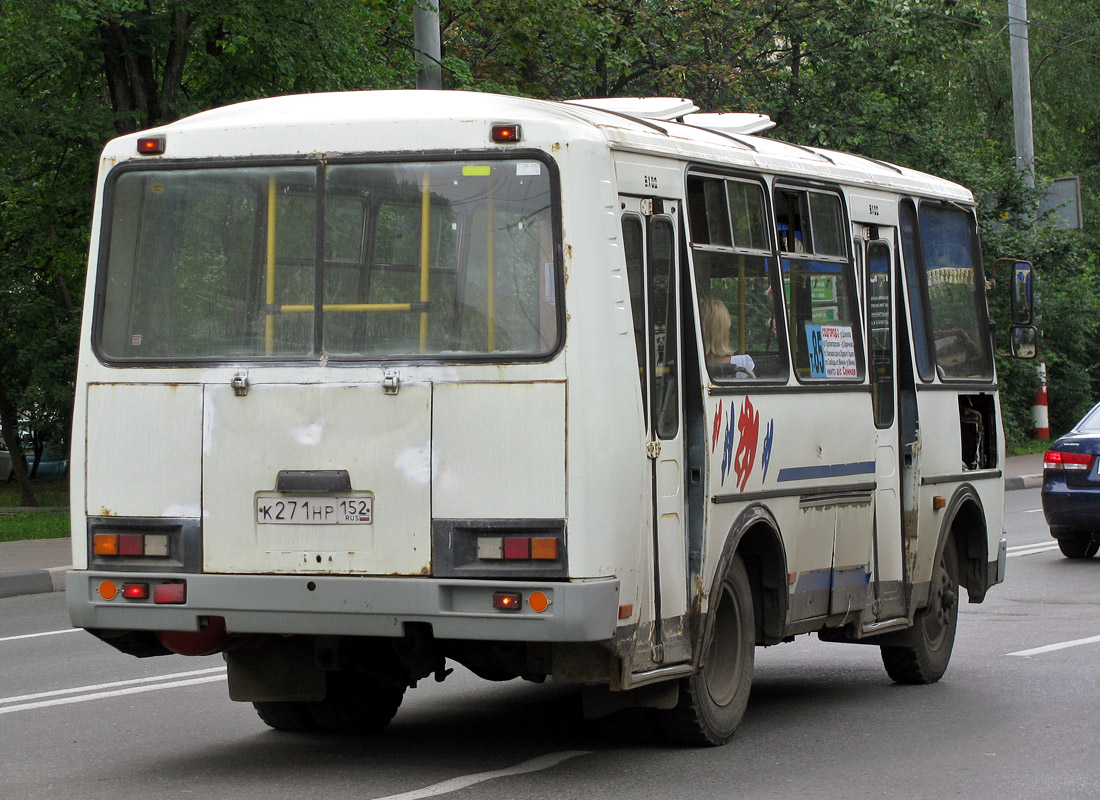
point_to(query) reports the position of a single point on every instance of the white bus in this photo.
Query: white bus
(609, 392)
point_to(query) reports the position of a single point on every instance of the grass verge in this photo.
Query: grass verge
(35, 525)
(1027, 447)
(49, 492)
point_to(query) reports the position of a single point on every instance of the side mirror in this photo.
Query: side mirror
(1022, 294)
(1024, 341)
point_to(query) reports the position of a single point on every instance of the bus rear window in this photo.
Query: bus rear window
(348, 260)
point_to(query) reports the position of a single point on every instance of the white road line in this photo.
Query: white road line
(454, 784)
(100, 686)
(1050, 648)
(1031, 549)
(44, 633)
(61, 701)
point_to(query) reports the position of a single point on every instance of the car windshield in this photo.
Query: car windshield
(434, 259)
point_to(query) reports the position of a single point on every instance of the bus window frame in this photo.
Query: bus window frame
(848, 268)
(318, 161)
(775, 275)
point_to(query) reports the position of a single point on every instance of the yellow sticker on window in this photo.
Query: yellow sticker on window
(478, 170)
(157, 188)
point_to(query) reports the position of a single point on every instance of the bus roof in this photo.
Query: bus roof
(408, 120)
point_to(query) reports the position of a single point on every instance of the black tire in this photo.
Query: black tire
(925, 658)
(286, 716)
(713, 700)
(356, 703)
(1081, 545)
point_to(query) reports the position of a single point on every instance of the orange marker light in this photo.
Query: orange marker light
(538, 601)
(545, 548)
(105, 544)
(108, 590)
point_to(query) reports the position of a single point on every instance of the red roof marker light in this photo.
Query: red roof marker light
(505, 134)
(151, 145)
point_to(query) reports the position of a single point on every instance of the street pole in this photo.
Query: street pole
(1025, 160)
(1021, 89)
(426, 44)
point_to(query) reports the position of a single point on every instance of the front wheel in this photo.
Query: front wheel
(1081, 545)
(924, 659)
(713, 700)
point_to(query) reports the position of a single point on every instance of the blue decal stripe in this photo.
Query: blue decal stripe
(818, 579)
(852, 576)
(826, 471)
(814, 580)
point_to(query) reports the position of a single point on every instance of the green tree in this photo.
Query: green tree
(75, 73)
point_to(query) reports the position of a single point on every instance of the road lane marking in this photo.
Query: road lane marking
(44, 633)
(462, 782)
(101, 686)
(1031, 549)
(1050, 648)
(61, 701)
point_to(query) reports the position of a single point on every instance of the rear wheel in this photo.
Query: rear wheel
(713, 700)
(1081, 545)
(356, 703)
(286, 716)
(932, 636)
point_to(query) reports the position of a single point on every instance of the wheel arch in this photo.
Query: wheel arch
(754, 536)
(965, 522)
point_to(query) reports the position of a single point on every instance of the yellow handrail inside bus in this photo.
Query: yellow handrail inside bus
(425, 243)
(305, 308)
(490, 266)
(269, 318)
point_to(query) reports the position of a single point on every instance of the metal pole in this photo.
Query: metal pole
(426, 44)
(1021, 89)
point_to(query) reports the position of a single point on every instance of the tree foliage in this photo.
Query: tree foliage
(923, 83)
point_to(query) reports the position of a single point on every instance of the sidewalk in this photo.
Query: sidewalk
(32, 567)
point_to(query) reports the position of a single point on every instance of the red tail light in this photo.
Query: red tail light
(1058, 459)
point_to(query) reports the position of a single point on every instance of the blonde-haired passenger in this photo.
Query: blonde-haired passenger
(716, 323)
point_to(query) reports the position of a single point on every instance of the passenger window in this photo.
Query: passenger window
(736, 280)
(818, 285)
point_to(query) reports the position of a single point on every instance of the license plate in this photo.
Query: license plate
(313, 510)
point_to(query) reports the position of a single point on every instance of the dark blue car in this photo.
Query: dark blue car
(1071, 488)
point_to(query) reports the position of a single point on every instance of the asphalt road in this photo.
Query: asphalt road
(78, 720)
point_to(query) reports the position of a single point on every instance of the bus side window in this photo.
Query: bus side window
(635, 276)
(819, 285)
(734, 268)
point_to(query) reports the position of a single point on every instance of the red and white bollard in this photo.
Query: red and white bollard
(1039, 410)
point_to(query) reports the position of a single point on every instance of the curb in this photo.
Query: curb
(1023, 482)
(35, 581)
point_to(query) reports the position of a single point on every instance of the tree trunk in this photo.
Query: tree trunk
(11, 438)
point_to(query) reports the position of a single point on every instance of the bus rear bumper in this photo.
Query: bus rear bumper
(578, 611)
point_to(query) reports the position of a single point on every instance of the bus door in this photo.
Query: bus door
(888, 599)
(649, 234)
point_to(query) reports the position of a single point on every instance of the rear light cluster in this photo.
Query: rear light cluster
(1058, 459)
(130, 545)
(162, 593)
(517, 548)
